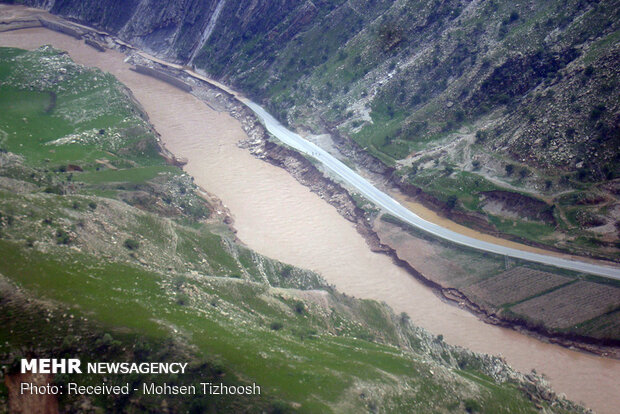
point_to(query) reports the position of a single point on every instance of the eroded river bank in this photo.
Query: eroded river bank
(279, 217)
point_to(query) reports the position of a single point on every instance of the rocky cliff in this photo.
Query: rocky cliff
(457, 97)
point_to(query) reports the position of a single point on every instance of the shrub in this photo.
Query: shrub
(182, 299)
(514, 16)
(596, 112)
(472, 406)
(276, 326)
(299, 307)
(509, 169)
(131, 244)
(404, 318)
(304, 333)
(286, 271)
(106, 339)
(481, 136)
(451, 202)
(92, 205)
(582, 173)
(7, 218)
(54, 189)
(62, 237)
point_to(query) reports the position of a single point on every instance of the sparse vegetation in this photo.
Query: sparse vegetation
(494, 72)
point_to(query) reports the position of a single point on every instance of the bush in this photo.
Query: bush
(472, 406)
(286, 271)
(514, 16)
(54, 189)
(182, 299)
(131, 244)
(582, 174)
(6, 218)
(451, 202)
(404, 318)
(276, 326)
(62, 237)
(299, 307)
(596, 112)
(509, 169)
(92, 205)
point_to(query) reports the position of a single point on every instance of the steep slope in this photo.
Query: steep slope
(116, 248)
(505, 115)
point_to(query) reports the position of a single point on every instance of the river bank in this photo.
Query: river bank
(259, 197)
(308, 174)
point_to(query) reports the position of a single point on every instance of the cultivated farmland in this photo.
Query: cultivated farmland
(515, 285)
(557, 309)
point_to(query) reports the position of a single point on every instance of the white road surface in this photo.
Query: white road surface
(396, 209)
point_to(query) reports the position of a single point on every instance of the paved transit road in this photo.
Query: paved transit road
(393, 207)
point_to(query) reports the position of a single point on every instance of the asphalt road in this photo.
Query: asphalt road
(396, 209)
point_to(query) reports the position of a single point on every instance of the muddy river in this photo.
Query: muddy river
(278, 217)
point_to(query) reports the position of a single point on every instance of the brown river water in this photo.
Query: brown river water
(278, 217)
